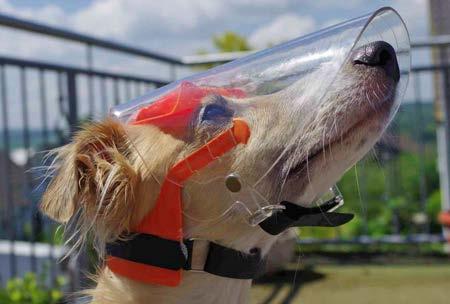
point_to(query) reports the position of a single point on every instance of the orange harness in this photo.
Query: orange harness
(165, 219)
(157, 253)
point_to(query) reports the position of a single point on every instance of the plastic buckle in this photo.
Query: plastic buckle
(200, 250)
(264, 213)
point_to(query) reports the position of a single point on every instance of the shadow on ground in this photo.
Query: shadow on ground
(295, 280)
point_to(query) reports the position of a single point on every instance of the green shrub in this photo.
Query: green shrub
(31, 289)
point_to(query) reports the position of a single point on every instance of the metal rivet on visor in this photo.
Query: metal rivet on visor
(233, 183)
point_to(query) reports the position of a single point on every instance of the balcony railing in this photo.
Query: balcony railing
(42, 103)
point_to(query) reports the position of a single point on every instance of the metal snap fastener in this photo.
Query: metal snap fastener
(233, 182)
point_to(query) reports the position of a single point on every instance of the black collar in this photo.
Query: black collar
(206, 256)
(193, 255)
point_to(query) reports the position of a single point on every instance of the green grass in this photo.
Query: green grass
(358, 284)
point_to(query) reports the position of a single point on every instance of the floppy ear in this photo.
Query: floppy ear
(59, 200)
(94, 177)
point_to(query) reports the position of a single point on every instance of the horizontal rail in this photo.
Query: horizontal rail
(432, 41)
(4, 60)
(430, 68)
(22, 248)
(213, 58)
(39, 28)
(387, 239)
(67, 68)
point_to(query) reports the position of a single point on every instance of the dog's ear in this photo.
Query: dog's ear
(95, 177)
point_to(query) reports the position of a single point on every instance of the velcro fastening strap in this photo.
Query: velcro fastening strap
(150, 250)
(230, 263)
(195, 255)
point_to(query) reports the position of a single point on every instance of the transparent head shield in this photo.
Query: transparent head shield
(304, 68)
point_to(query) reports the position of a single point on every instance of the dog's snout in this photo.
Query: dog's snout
(378, 53)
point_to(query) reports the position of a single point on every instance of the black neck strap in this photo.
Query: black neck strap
(298, 216)
(206, 256)
(191, 255)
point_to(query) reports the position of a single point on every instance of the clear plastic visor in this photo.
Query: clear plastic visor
(272, 90)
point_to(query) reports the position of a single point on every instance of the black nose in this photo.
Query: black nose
(378, 53)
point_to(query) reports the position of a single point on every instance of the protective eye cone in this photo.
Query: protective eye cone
(197, 108)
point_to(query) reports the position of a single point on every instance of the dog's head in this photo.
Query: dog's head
(302, 140)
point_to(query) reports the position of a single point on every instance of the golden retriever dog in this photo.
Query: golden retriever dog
(108, 177)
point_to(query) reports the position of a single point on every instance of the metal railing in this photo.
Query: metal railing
(65, 81)
(42, 103)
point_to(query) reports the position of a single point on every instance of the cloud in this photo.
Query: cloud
(50, 14)
(122, 19)
(138, 22)
(333, 3)
(282, 28)
(23, 44)
(415, 13)
(260, 3)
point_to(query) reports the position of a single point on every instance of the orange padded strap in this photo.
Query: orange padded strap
(215, 148)
(144, 273)
(165, 219)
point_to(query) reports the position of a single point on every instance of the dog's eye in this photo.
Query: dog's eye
(216, 111)
(213, 111)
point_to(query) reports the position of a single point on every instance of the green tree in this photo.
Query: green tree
(230, 42)
(226, 42)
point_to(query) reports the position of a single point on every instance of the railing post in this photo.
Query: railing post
(440, 25)
(443, 133)
(90, 67)
(72, 115)
(10, 214)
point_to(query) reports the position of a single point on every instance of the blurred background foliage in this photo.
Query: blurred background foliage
(31, 289)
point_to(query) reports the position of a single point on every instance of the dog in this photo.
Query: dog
(109, 177)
